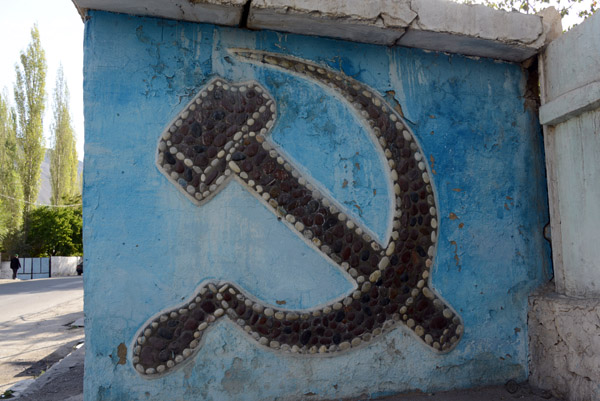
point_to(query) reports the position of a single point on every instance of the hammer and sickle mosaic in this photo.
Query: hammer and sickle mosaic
(222, 134)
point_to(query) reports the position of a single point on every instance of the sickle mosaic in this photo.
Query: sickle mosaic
(222, 135)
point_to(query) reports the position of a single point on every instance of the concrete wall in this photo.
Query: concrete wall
(565, 345)
(152, 245)
(571, 83)
(64, 265)
(5, 271)
(564, 335)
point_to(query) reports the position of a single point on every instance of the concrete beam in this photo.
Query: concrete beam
(380, 22)
(220, 12)
(474, 30)
(571, 104)
(439, 25)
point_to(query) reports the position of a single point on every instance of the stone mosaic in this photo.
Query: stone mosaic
(222, 134)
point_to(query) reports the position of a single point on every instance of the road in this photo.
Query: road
(35, 325)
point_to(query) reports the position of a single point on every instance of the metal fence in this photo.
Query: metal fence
(34, 268)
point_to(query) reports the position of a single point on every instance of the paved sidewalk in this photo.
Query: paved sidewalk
(62, 382)
(37, 327)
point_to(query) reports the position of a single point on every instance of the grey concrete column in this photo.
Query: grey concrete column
(564, 321)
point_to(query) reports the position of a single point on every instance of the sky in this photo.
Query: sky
(61, 32)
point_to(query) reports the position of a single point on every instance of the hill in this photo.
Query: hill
(46, 187)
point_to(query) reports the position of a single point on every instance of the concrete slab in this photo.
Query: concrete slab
(381, 22)
(221, 12)
(475, 30)
(439, 25)
(571, 61)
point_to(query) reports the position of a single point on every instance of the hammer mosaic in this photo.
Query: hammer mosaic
(222, 134)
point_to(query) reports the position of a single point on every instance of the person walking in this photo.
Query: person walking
(15, 265)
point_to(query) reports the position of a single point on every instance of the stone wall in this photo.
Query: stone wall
(564, 345)
(372, 224)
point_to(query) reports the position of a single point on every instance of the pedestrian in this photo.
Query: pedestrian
(15, 265)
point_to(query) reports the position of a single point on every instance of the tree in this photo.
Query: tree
(30, 94)
(63, 158)
(10, 187)
(55, 231)
(534, 6)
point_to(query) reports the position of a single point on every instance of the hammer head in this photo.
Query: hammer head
(196, 148)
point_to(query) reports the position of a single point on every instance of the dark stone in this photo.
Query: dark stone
(305, 337)
(208, 307)
(247, 166)
(196, 129)
(157, 343)
(186, 337)
(201, 161)
(164, 355)
(237, 156)
(337, 246)
(200, 148)
(188, 175)
(260, 157)
(169, 158)
(165, 333)
(179, 166)
(346, 253)
(252, 149)
(147, 357)
(319, 219)
(330, 222)
(212, 174)
(338, 230)
(218, 115)
(211, 152)
(220, 140)
(190, 324)
(197, 314)
(280, 174)
(176, 346)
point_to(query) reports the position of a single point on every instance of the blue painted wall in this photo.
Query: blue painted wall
(148, 248)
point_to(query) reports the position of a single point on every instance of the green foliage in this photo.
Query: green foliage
(30, 94)
(534, 6)
(63, 158)
(10, 185)
(46, 230)
(55, 231)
